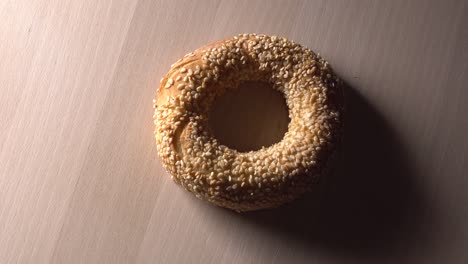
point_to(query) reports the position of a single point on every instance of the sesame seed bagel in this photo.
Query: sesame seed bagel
(271, 176)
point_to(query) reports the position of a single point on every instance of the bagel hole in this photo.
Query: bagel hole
(249, 117)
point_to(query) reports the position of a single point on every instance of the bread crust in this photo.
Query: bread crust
(258, 179)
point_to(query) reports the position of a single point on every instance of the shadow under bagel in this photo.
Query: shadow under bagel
(370, 205)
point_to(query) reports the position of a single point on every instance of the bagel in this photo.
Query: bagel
(271, 176)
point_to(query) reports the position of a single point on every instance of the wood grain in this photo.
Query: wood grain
(80, 181)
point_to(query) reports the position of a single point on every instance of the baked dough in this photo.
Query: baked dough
(268, 177)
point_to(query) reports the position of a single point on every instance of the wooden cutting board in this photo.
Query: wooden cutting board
(80, 181)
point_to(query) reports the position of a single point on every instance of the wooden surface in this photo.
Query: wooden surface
(80, 181)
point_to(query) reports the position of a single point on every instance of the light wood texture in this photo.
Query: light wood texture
(80, 181)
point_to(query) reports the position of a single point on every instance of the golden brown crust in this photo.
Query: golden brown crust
(258, 179)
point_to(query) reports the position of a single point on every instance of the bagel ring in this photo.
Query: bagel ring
(271, 176)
